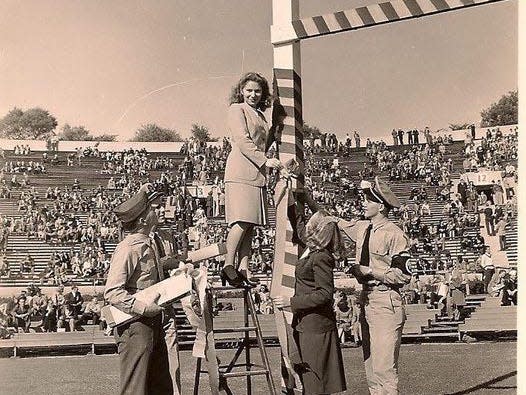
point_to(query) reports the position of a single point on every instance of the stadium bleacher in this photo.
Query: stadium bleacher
(422, 323)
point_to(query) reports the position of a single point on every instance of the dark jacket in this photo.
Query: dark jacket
(312, 303)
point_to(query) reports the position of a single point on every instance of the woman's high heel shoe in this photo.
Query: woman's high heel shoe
(232, 277)
(251, 282)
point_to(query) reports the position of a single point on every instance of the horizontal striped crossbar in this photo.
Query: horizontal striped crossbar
(371, 15)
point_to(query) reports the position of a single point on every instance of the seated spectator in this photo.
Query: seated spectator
(4, 265)
(509, 290)
(38, 303)
(49, 322)
(343, 319)
(67, 321)
(22, 315)
(75, 300)
(27, 265)
(92, 312)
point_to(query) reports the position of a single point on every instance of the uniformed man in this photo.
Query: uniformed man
(379, 244)
(148, 360)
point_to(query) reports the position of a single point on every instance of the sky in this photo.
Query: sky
(113, 65)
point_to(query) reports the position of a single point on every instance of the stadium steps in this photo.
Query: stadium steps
(491, 317)
(512, 243)
(88, 341)
(20, 246)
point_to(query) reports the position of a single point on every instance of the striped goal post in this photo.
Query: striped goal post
(287, 31)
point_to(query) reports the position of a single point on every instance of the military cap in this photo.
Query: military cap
(132, 208)
(380, 192)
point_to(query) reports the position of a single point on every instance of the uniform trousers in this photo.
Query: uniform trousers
(145, 358)
(382, 318)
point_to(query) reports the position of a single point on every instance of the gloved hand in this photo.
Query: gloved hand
(395, 276)
(274, 162)
(281, 301)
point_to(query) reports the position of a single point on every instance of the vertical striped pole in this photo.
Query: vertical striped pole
(287, 89)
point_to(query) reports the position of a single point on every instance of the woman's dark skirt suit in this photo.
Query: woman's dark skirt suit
(245, 171)
(315, 324)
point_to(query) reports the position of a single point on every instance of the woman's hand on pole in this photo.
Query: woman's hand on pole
(274, 163)
(281, 301)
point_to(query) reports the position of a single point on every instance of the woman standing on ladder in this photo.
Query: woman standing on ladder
(245, 173)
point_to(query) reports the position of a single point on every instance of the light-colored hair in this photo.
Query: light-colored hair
(236, 96)
(322, 232)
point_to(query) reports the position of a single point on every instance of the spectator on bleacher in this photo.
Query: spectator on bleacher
(356, 136)
(395, 137)
(49, 321)
(489, 218)
(509, 289)
(400, 137)
(267, 307)
(27, 265)
(67, 320)
(498, 193)
(38, 303)
(500, 231)
(442, 290)
(75, 300)
(59, 299)
(5, 270)
(488, 267)
(343, 319)
(22, 315)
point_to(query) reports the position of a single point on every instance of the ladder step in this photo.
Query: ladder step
(245, 373)
(230, 330)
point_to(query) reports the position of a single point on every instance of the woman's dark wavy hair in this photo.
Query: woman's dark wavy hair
(236, 96)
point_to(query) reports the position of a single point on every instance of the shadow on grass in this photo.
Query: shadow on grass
(487, 384)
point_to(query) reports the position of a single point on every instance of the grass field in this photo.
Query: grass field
(454, 369)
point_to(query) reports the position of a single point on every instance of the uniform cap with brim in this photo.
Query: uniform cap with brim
(380, 192)
(132, 208)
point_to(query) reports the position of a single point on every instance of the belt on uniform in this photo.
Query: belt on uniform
(381, 287)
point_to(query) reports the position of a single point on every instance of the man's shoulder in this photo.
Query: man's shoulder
(392, 227)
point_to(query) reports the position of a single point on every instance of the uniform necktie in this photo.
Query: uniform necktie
(364, 257)
(155, 248)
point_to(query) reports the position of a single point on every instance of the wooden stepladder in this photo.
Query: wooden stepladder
(218, 374)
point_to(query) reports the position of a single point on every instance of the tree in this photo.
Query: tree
(459, 126)
(504, 112)
(75, 133)
(311, 131)
(80, 133)
(34, 123)
(153, 132)
(105, 137)
(201, 133)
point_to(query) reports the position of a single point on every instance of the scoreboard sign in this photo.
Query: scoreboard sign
(484, 177)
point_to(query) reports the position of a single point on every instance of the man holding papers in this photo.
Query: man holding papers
(145, 358)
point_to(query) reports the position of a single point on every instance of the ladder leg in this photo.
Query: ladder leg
(261, 346)
(247, 296)
(197, 376)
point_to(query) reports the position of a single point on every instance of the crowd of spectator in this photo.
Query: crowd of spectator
(492, 151)
(62, 311)
(58, 221)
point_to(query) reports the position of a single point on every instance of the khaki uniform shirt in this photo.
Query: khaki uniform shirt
(386, 240)
(134, 266)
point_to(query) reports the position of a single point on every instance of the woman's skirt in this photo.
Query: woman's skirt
(245, 203)
(322, 369)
